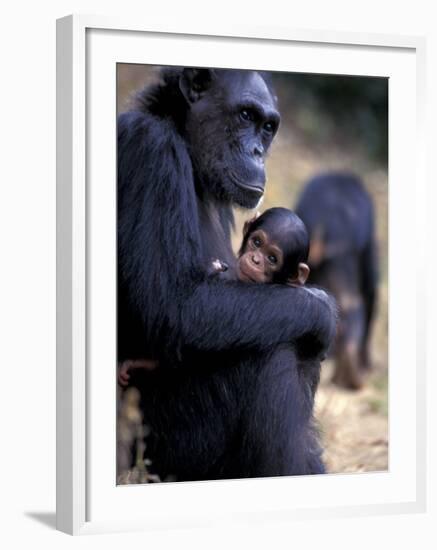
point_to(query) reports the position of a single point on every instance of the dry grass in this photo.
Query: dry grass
(354, 426)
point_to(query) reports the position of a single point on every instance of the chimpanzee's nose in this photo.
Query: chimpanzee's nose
(255, 259)
(258, 151)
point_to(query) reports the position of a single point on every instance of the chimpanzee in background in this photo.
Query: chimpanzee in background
(227, 399)
(338, 213)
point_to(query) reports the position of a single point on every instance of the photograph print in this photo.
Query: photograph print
(252, 291)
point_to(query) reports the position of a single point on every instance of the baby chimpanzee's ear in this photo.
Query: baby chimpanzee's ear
(248, 223)
(302, 275)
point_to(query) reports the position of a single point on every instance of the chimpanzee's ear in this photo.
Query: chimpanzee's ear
(248, 223)
(303, 272)
(193, 83)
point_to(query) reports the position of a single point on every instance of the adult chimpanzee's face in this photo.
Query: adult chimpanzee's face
(231, 121)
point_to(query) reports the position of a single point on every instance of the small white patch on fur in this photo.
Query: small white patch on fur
(261, 200)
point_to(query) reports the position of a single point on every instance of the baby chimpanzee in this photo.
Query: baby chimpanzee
(275, 249)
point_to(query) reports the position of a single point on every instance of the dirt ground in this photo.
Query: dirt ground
(354, 425)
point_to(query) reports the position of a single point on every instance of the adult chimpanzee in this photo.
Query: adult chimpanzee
(227, 399)
(338, 213)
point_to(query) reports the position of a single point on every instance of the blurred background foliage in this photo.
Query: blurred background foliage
(328, 123)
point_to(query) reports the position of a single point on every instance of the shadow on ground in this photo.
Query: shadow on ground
(45, 518)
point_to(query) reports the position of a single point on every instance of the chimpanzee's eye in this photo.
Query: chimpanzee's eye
(272, 259)
(269, 127)
(247, 115)
(256, 241)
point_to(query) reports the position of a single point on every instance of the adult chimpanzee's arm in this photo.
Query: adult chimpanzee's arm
(160, 258)
(222, 315)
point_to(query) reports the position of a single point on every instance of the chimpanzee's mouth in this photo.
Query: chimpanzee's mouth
(256, 188)
(252, 188)
(246, 277)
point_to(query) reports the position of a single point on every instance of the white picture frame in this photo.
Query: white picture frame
(87, 500)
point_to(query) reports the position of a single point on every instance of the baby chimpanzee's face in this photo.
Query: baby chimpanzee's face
(260, 259)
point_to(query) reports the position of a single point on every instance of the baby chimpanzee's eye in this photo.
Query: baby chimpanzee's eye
(272, 259)
(256, 241)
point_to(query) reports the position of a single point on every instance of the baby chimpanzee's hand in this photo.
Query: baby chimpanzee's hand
(218, 267)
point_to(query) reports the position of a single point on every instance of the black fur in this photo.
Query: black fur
(228, 399)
